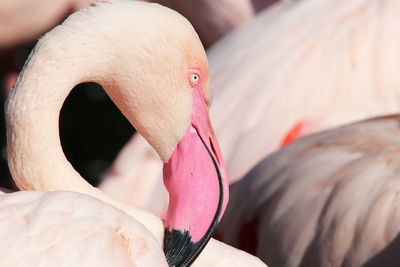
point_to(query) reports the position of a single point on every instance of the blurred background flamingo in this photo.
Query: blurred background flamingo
(23, 21)
(328, 199)
(331, 198)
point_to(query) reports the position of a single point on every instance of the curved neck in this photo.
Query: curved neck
(36, 158)
(66, 56)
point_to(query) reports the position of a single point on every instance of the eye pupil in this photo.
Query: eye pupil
(195, 78)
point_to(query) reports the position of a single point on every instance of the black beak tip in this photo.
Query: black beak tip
(179, 248)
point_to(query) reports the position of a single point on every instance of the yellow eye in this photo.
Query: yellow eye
(194, 78)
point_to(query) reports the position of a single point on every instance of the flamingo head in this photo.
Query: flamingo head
(195, 178)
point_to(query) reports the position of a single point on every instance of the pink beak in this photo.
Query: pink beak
(196, 180)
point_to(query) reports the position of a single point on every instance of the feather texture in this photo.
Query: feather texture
(329, 199)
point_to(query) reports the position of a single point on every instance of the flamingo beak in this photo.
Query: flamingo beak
(196, 180)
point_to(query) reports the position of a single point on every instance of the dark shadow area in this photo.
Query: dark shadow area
(4, 173)
(92, 130)
(388, 257)
(260, 5)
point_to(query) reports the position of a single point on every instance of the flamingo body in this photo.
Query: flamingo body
(71, 229)
(328, 199)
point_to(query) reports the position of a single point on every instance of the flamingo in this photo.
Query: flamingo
(156, 72)
(328, 199)
(284, 75)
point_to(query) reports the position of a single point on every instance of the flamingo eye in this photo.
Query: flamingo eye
(194, 79)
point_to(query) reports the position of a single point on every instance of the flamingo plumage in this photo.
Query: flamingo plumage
(72, 229)
(159, 80)
(328, 199)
